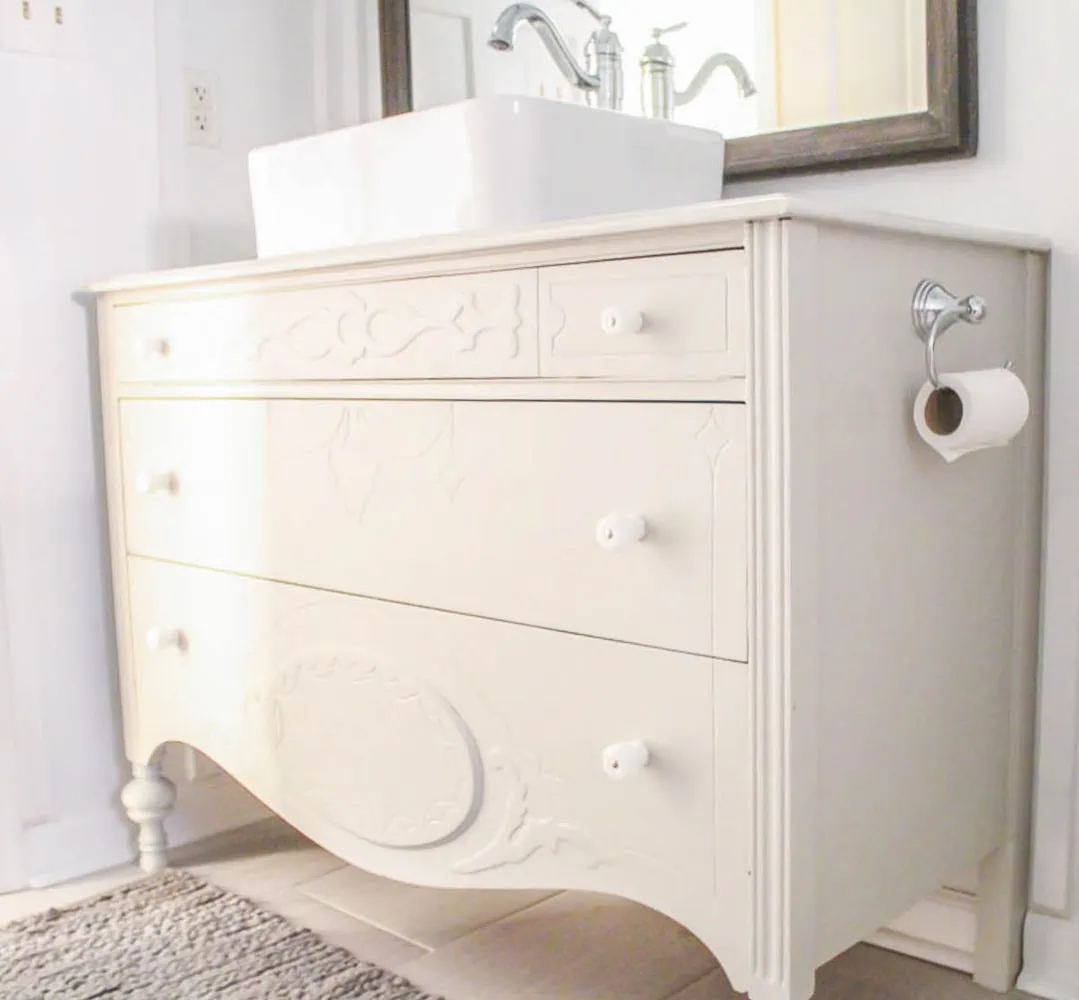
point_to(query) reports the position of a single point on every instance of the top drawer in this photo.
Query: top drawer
(457, 326)
(679, 316)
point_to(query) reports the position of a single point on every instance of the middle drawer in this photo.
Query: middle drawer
(618, 520)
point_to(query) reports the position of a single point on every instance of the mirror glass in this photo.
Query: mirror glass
(742, 67)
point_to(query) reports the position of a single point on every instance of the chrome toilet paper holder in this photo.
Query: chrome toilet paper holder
(934, 310)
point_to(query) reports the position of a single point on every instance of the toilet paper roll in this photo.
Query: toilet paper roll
(971, 411)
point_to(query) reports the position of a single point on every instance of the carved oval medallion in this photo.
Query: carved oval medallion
(382, 756)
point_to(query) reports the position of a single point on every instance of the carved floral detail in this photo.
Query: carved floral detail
(521, 833)
(712, 438)
(381, 755)
(350, 327)
(355, 449)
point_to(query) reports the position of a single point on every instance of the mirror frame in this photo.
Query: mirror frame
(948, 129)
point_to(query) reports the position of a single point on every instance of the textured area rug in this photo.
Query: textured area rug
(173, 937)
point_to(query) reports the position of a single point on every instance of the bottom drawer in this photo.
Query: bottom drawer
(443, 749)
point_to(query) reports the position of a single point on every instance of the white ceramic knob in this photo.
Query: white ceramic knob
(625, 760)
(158, 639)
(152, 347)
(156, 482)
(617, 321)
(618, 530)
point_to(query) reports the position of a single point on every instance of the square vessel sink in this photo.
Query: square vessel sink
(488, 163)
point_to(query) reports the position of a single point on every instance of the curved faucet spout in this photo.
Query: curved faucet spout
(746, 86)
(505, 30)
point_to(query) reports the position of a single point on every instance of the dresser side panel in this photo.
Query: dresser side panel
(912, 575)
(114, 499)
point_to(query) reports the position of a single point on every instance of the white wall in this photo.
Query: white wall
(95, 180)
(260, 52)
(78, 199)
(1026, 176)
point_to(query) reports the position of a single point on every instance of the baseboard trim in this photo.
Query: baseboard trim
(66, 849)
(1048, 989)
(942, 929)
(70, 848)
(1050, 957)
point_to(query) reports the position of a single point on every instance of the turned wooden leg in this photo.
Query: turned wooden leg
(148, 797)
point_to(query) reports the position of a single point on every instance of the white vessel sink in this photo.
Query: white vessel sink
(492, 162)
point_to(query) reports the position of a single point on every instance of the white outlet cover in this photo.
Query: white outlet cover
(203, 127)
(202, 108)
(201, 90)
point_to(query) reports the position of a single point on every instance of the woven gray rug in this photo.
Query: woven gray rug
(173, 937)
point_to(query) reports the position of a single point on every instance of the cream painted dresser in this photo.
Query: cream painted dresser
(600, 556)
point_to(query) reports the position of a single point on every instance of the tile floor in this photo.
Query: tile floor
(495, 945)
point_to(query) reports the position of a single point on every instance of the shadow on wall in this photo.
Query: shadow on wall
(175, 243)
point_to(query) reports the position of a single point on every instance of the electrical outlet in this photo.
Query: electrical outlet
(202, 128)
(201, 109)
(201, 90)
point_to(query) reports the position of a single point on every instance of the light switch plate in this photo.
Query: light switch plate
(44, 27)
(67, 26)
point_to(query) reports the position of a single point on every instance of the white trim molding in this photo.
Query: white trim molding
(11, 860)
(1051, 932)
(346, 63)
(1051, 958)
(74, 846)
(942, 930)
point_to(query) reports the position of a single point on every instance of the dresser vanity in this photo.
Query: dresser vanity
(603, 556)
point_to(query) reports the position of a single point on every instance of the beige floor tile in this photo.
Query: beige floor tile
(574, 946)
(570, 946)
(363, 940)
(865, 971)
(429, 917)
(270, 859)
(713, 986)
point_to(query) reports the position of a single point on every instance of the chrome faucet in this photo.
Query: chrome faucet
(658, 95)
(602, 81)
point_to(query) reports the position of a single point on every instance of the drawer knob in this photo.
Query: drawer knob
(156, 482)
(159, 639)
(152, 347)
(626, 760)
(617, 321)
(618, 530)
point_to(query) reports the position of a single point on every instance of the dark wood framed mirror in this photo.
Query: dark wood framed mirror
(939, 122)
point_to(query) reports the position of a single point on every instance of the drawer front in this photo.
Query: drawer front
(683, 316)
(445, 749)
(469, 326)
(620, 520)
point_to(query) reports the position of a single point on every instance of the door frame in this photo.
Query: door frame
(346, 63)
(12, 869)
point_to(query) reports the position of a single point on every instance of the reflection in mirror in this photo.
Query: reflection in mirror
(743, 67)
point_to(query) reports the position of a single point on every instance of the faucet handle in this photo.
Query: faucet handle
(585, 5)
(604, 19)
(658, 33)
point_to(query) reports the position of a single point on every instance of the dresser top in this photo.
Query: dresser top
(715, 224)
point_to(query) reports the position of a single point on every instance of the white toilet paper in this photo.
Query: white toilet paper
(972, 411)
